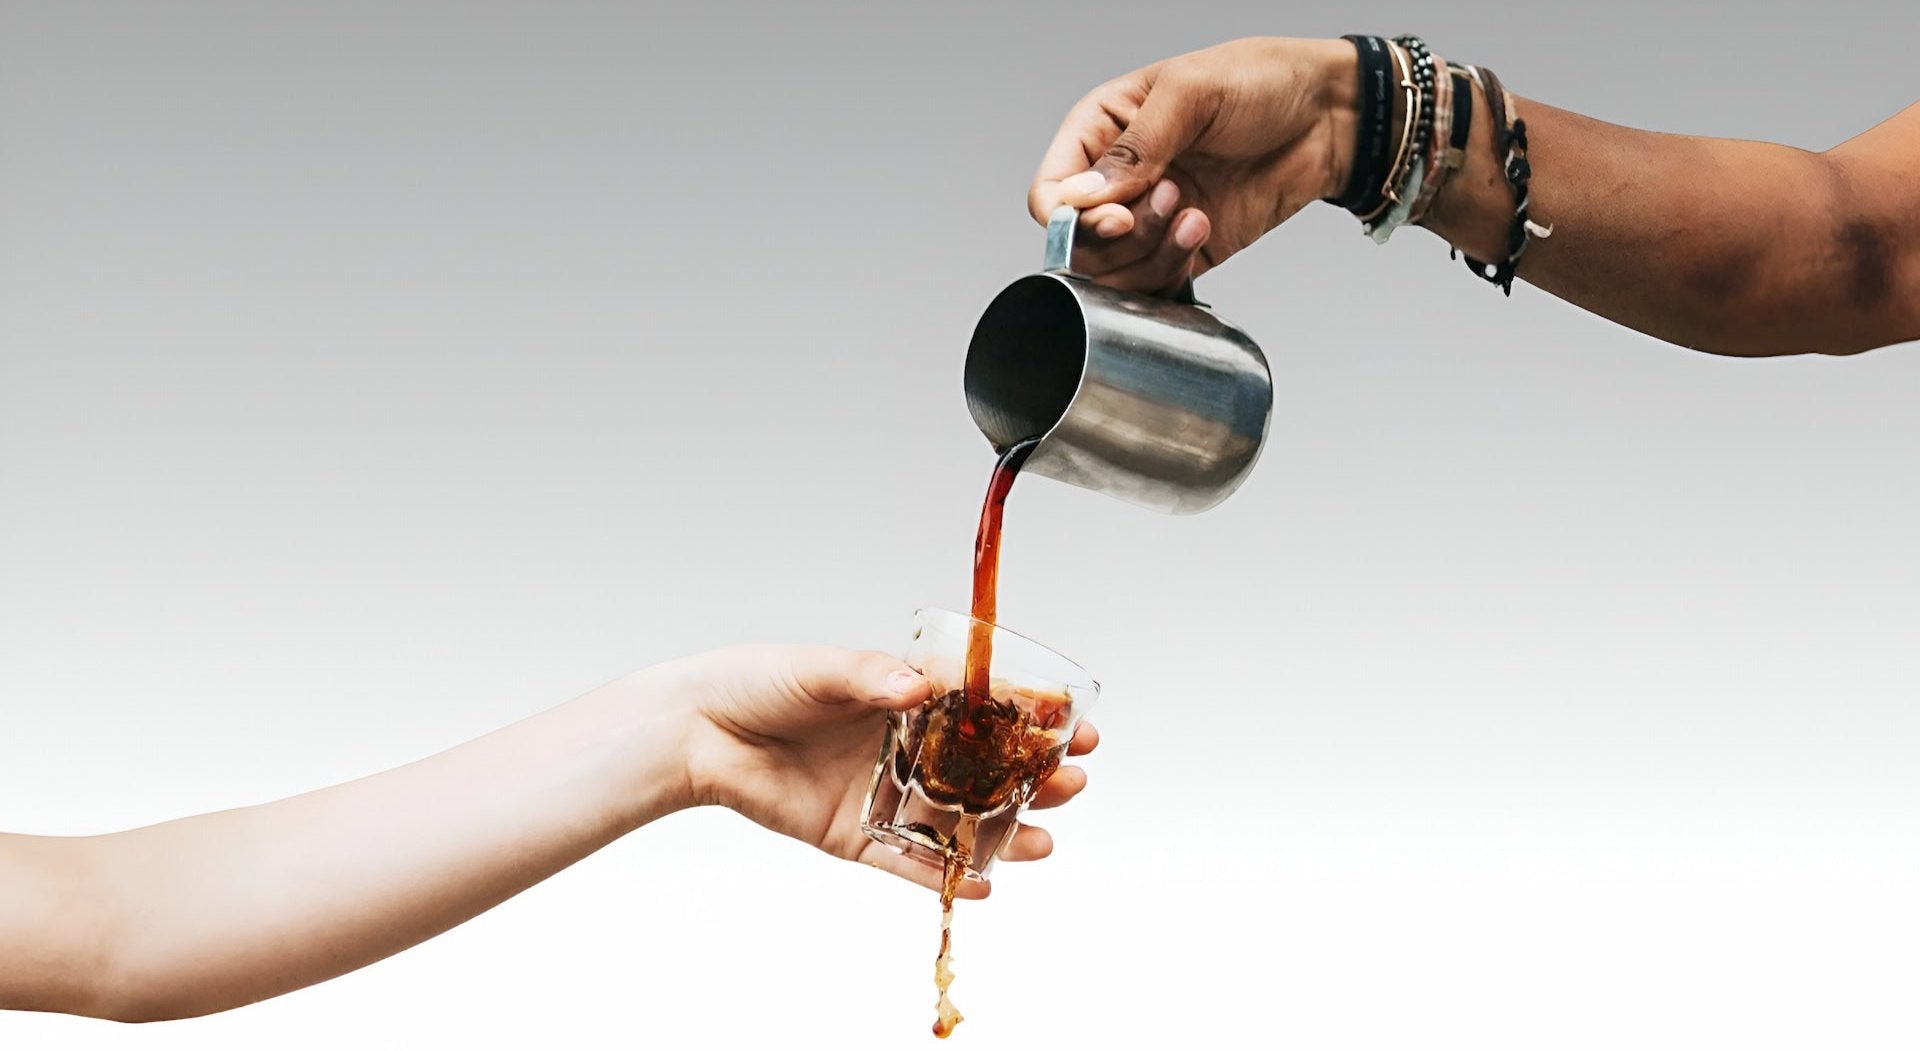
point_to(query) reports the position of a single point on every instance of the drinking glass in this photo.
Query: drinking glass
(955, 774)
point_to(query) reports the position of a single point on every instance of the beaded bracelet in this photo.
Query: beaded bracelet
(1424, 66)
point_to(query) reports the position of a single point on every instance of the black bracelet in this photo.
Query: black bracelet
(1462, 113)
(1367, 171)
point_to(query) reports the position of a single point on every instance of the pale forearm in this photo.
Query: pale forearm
(211, 912)
(1727, 246)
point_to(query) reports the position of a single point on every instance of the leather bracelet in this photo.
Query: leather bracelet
(1455, 126)
(1460, 126)
(1510, 149)
(1462, 117)
(1496, 105)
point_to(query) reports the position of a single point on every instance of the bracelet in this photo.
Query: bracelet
(1439, 160)
(1376, 122)
(1407, 181)
(1460, 88)
(1434, 136)
(1462, 120)
(1403, 155)
(1424, 65)
(1510, 147)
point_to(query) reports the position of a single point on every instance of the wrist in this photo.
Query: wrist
(1363, 105)
(650, 727)
(1473, 208)
(1337, 84)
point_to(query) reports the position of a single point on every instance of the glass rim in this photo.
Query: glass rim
(1089, 682)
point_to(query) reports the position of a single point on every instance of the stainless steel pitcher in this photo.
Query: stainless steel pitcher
(1152, 400)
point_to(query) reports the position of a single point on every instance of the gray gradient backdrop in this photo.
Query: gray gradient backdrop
(373, 374)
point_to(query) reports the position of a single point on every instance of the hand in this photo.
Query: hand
(1181, 164)
(207, 913)
(787, 735)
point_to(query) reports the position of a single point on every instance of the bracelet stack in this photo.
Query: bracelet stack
(1395, 183)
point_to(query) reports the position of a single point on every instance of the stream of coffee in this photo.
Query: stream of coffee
(947, 1015)
(984, 730)
(986, 569)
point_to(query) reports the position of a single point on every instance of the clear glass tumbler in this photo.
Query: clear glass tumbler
(955, 773)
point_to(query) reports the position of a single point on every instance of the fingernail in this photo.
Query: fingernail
(1085, 184)
(1189, 232)
(901, 683)
(1111, 226)
(1165, 196)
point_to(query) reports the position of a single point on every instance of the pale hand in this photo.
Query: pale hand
(788, 735)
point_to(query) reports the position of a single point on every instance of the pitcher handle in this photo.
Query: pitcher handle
(1060, 239)
(1060, 227)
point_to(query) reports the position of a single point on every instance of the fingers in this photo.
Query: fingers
(1117, 236)
(1108, 159)
(1027, 843)
(831, 676)
(914, 870)
(1085, 739)
(1089, 128)
(1108, 222)
(1169, 264)
(1170, 118)
(1066, 782)
(1109, 151)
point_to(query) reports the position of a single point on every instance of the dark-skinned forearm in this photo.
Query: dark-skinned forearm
(1726, 246)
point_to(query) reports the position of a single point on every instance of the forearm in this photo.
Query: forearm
(1733, 247)
(212, 912)
(1726, 246)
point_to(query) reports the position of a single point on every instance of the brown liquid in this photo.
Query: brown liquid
(986, 567)
(947, 1015)
(982, 755)
(984, 758)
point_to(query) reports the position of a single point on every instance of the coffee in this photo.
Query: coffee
(974, 756)
(947, 1016)
(986, 567)
(979, 764)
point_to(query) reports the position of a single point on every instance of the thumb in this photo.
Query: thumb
(901, 689)
(1168, 122)
(867, 676)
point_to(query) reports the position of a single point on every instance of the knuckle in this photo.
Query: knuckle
(1126, 151)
